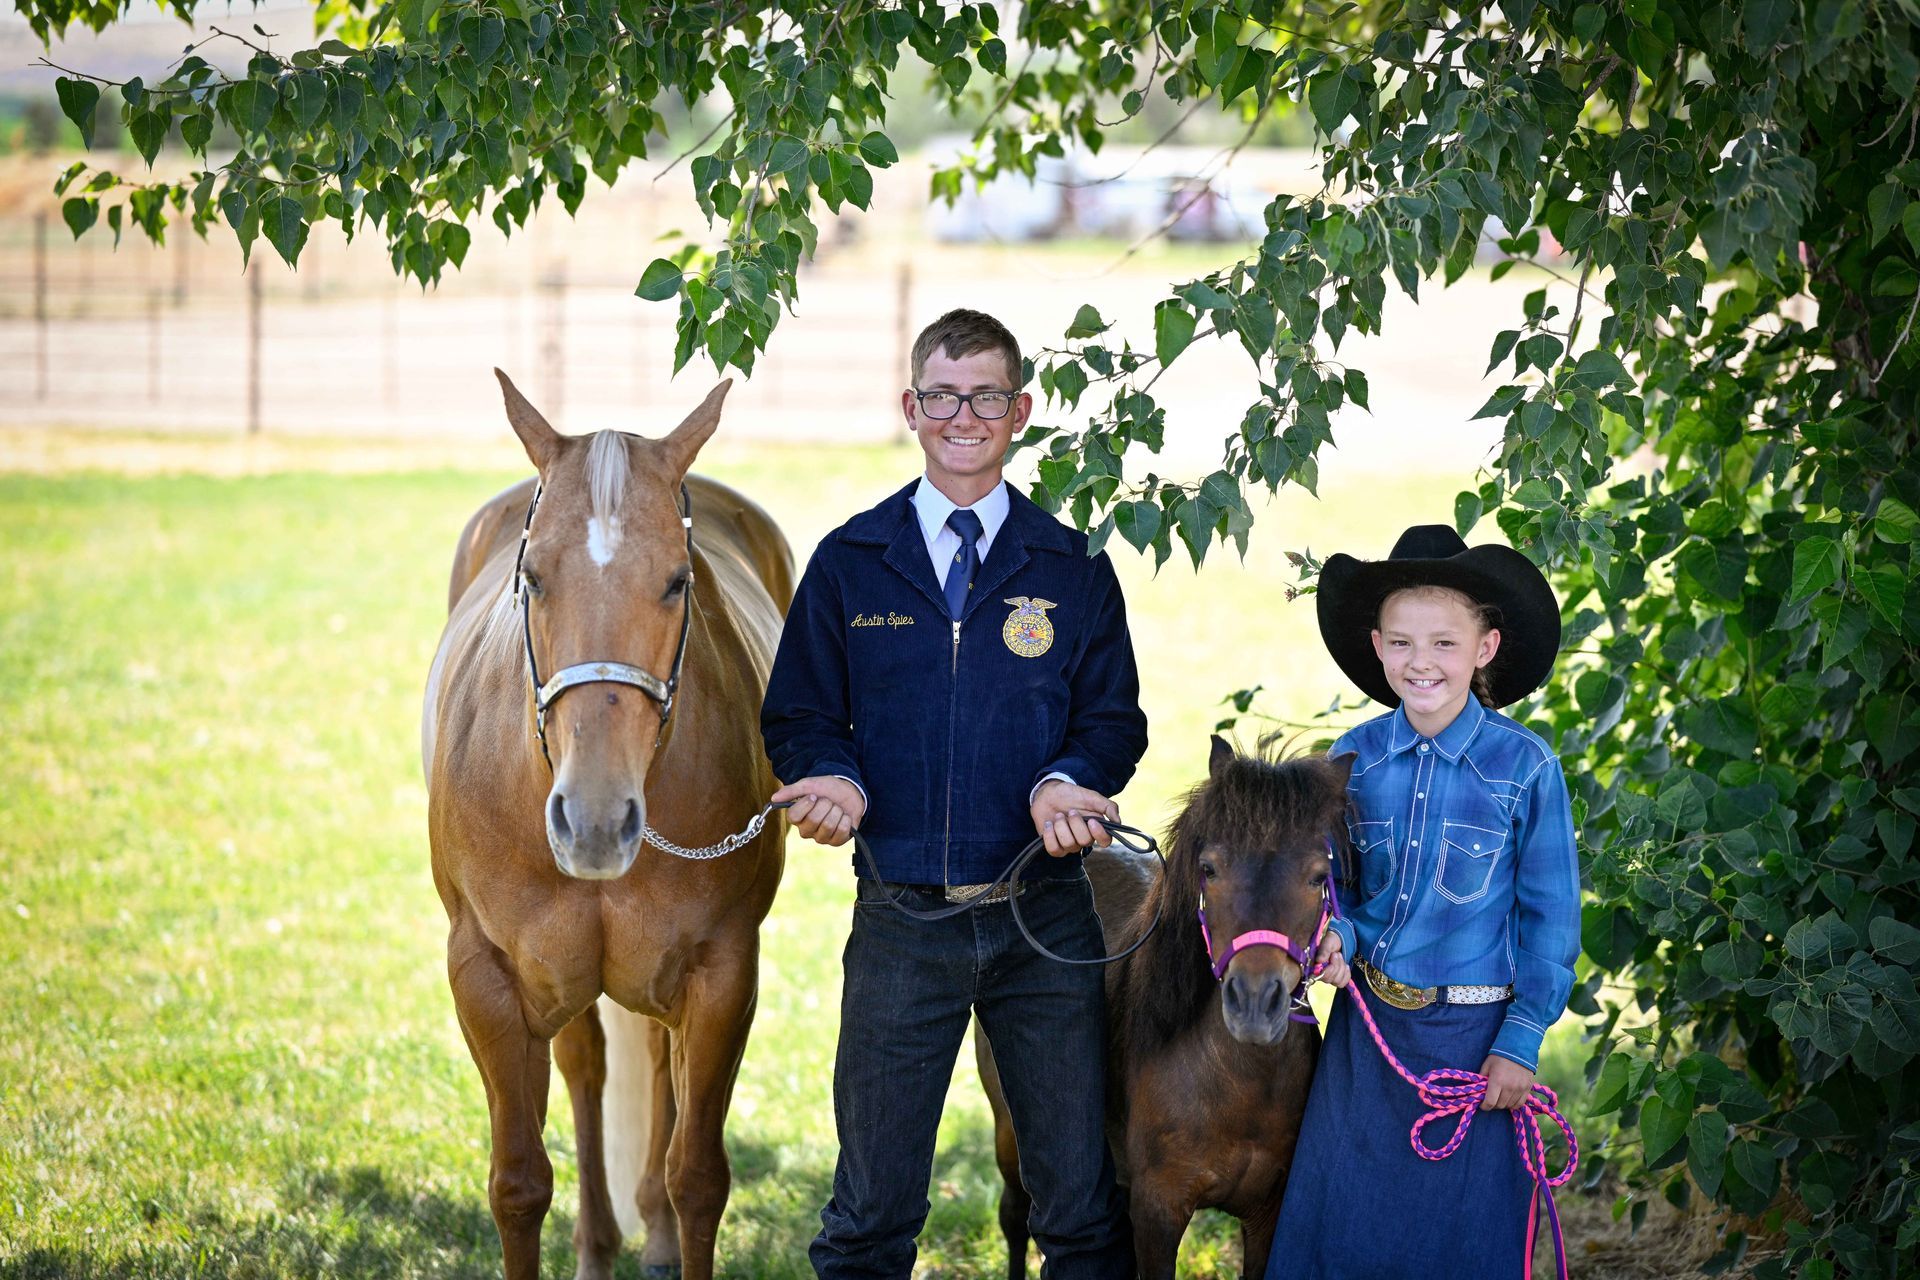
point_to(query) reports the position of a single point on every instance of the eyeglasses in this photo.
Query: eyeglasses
(987, 405)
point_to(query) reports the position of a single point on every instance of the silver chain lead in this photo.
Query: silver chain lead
(755, 826)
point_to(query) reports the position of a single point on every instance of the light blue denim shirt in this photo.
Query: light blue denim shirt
(1466, 872)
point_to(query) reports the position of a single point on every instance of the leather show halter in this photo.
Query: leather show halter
(599, 672)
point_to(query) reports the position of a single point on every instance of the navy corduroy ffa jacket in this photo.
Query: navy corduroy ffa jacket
(948, 727)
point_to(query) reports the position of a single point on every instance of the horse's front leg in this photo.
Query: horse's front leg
(515, 1064)
(1160, 1218)
(660, 1253)
(1256, 1240)
(581, 1052)
(707, 1047)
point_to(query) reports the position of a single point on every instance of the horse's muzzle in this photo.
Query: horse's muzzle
(1256, 1005)
(594, 841)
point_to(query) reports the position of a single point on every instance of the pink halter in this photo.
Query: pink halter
(1302, 955)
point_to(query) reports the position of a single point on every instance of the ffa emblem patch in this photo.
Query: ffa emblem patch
(1027, 630)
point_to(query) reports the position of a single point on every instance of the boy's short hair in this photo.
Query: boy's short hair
(962, 333)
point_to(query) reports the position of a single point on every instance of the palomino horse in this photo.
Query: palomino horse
(654, 643)
(1208, 1076)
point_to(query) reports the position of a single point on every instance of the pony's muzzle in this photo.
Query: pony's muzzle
(1255, 1003)
(594, 841)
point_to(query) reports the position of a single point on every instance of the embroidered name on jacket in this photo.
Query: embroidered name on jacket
(881, 620)
(1027, 630)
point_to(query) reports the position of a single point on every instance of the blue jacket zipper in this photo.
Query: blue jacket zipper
(953, 712)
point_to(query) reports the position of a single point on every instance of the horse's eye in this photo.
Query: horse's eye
(679, 584)
(1320, 880)
(531, 581)
(1206, 871)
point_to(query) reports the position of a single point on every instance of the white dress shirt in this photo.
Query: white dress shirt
(932, 508)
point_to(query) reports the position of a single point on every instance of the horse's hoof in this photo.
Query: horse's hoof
(661, 1271)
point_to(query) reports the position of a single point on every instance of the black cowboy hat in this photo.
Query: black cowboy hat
(1433, 555)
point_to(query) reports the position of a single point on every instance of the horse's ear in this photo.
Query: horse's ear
(1342, 766)
(1219, 757)
(541, 441)
(687, 438)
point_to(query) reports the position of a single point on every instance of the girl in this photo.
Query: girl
(1461, 906)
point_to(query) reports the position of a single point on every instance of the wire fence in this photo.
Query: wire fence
(181, 338)
(187, 337)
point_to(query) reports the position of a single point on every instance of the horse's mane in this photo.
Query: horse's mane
(1283, 805)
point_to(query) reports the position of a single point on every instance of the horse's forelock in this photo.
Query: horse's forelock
(607, 469)
(1257, 798)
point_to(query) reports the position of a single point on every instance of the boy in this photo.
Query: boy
(955, 676)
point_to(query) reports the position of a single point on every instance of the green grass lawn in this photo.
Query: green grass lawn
(226, 1043)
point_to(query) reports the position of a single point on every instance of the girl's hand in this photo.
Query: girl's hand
(1327, 954)
(1508, 1083)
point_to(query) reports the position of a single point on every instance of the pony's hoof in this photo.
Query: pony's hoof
(661, 1271)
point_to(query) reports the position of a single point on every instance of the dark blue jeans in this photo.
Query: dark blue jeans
(911, 987)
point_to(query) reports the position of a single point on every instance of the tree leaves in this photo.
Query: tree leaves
(1826, 936)
(1086, 323)
(660, 281)
(1662, 1124)
(1332, 96)
(1816, 565)
(285, 226)
(1173, 327)
(149, 129)
(80, 213)
(1884, 588)
(1138, 523)
(248, 105)
(78, 98)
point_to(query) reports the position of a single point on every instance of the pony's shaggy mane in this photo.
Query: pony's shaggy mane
(1286, 807)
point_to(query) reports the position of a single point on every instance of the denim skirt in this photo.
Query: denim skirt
(1361, 1204)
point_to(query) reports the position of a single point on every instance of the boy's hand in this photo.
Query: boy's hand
(1334, 970)
(1067, 817)
(1508, 1083)
(825, 810)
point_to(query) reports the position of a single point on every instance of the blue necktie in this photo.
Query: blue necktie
(966, 561)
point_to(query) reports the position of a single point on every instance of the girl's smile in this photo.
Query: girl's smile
(1430, 643)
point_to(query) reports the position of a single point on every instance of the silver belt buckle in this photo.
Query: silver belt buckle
(977, 892)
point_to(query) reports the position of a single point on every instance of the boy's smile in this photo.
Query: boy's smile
(1430, 644)
(965, 453)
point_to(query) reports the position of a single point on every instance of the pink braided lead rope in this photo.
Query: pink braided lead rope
(1450, 1091)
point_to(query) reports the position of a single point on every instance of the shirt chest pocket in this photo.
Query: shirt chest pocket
(1373, 850)
(1468, 856)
